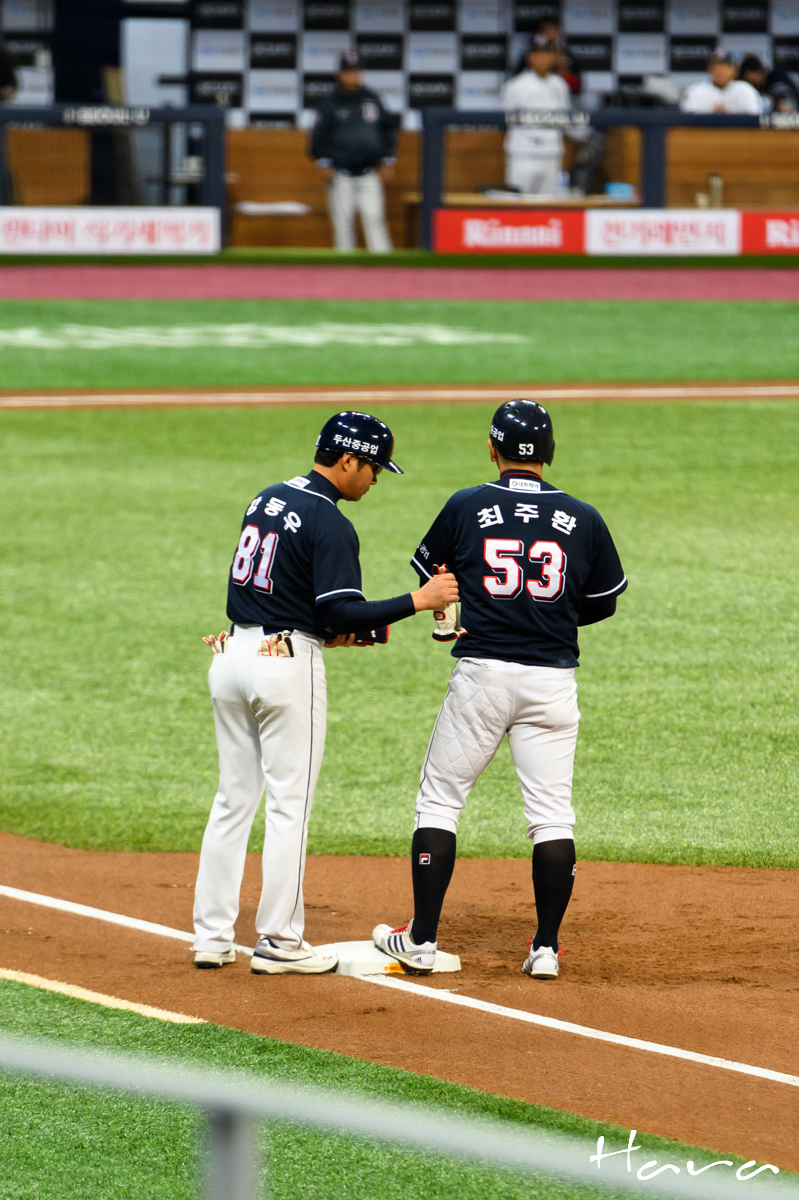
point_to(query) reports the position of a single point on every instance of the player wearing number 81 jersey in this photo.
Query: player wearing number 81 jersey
(532, 563)
(294, 586)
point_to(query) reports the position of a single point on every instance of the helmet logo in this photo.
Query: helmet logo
(497, 434)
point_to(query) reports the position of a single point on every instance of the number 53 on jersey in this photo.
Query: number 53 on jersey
(507, 555)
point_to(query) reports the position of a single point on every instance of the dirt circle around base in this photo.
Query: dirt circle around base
(699, 958)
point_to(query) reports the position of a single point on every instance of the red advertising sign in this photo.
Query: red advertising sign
(770, 233)
(499, 231)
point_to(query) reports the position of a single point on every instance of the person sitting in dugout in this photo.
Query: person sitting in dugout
(353, 145)
(721, 92)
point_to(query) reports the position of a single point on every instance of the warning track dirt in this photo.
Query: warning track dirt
(585, 393)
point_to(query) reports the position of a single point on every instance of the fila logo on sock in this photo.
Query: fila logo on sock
(424, 860)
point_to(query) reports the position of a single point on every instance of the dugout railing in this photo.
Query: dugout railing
(234, 1108)
(114, 154)
(654, 124)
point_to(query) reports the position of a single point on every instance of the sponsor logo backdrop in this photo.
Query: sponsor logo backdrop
(437, 38)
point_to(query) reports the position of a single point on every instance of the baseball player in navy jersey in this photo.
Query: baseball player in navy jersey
(294, 586)
(532, 564)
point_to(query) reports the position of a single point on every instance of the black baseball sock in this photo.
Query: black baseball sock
(553, 880)
(432, 863)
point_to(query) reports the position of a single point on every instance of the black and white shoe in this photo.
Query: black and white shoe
(268, 959)
(214, 958)
(399, 944)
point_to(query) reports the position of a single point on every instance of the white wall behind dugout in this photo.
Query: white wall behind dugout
(274, 59)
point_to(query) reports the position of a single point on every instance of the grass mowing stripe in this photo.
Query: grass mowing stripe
(65, 1142)
(114, 553)
(590, 340)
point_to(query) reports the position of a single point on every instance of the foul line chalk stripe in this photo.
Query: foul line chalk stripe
(409, 395)
(598, 1035)
(79, 993)
(101, 914)
(414, 989)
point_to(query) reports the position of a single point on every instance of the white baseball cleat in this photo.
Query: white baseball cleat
(268, 959)
(541, 963)
(399, 944)
(214, 958)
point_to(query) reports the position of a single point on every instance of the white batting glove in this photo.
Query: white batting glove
(218, 645)
(448, 623)
(277, 645)
(448, 620)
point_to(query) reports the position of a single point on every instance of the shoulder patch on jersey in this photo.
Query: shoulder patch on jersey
(299, 481)
(524, 485)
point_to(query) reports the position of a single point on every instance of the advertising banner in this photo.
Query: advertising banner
(493, 231)
(770, 233)
(653, 231)
(109, 230)
(663, 231)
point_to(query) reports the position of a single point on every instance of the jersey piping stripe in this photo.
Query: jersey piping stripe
(306, 813)
(308, 492)
(340, 592)
(415, 563)
(599, 595)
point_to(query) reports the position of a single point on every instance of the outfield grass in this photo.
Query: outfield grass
(64, 1143)
(587, 340)
(114, 549)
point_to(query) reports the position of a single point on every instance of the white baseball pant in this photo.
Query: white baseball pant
(487, 698)
(534, 174)
(269, 715)
(348, 194)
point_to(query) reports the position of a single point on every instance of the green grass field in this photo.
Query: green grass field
(60, 1143)
(117, 535)
(594, 340)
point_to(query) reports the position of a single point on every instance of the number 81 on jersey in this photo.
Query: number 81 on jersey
(502, 554)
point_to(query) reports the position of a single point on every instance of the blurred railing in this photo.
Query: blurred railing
(234, 1107)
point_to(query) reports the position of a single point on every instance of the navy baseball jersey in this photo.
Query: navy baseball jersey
(526, 556)
(296, 551)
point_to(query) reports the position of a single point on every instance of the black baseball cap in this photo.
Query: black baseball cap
(350, 61)
(542, 42)
(720, 55)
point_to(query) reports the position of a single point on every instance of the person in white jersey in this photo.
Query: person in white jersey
(534, 155)
(721, 92)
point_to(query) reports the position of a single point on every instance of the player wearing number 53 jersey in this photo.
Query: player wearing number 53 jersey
(532, 564)
(295, 585)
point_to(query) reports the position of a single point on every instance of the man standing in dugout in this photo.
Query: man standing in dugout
(353, 145)
(532, 564)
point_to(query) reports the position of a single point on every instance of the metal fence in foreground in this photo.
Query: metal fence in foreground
(234, 1108)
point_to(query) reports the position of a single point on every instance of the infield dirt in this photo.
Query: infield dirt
(699, 958)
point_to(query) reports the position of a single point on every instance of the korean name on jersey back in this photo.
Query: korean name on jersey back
(295, 551)
(526, 556)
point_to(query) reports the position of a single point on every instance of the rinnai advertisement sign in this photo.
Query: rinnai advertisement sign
(770, 233)
(667, 231)
(175, 230)
(653, 231)
(496, 231)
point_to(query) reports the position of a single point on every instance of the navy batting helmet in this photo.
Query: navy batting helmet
(361, 434)
(521, 430)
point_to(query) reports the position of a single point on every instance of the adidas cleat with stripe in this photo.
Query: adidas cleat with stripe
(541, 963)
(398, 943)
